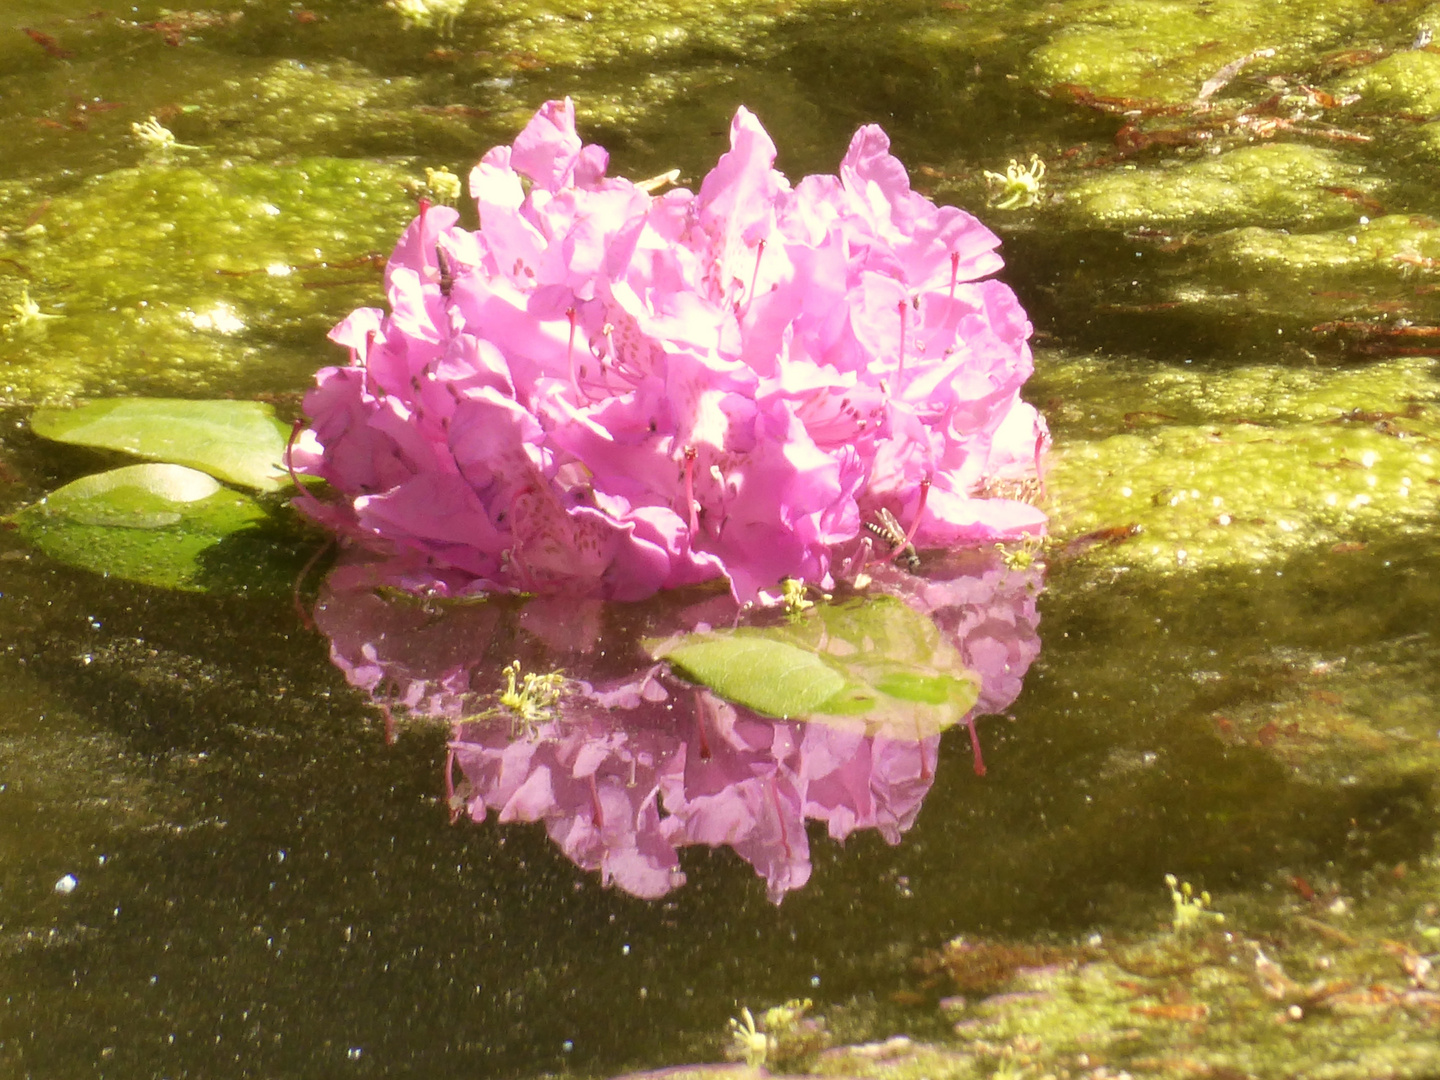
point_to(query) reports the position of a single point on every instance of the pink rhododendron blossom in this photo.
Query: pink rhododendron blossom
(604, 392)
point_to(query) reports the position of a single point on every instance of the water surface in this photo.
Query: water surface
(1232, 303)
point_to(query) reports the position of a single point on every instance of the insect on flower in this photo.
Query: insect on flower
(891, 533)
(447, 272)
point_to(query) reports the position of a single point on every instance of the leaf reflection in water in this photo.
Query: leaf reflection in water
(636, 763)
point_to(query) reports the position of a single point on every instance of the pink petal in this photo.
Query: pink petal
(548, 147)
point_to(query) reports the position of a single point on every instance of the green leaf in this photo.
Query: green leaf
(870, 663)
(752, 669)
(240, 442)
(162, 525)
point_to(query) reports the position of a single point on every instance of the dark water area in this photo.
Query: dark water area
(1237, 681)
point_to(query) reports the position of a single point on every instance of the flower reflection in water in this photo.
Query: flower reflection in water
(631, 763)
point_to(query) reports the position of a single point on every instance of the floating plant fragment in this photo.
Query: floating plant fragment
(872, 664)
(29, 318)
(156, 138)
(1019, 186)
(154, 524)
(240, 442)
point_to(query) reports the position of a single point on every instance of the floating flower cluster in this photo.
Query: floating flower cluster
(607, 392)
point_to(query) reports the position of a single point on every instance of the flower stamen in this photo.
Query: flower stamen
(755, 274)
(690, 455)
(900, 368)
(570, 355)
(975, 746)
(919, 510)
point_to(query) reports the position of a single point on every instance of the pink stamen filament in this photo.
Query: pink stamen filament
(701, 713)
(900, 370)
(364, 362)
(450, 785)
(954, 272)
(595, 802)
(570, 354)
(779, 815)
(919, 511)
(975, 746)
(1039, 472)
(690, 455)
(755, 274)
(295, 430)
(306, 619)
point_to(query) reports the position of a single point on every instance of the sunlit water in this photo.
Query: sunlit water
(263, 886)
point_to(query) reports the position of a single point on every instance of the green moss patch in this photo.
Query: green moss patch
(187, 280)
(1245, 468)
(1407, 81)
(1164, 51)
(1275, 184)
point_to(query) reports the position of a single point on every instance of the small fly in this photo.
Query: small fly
(447, 273)
(890, 533)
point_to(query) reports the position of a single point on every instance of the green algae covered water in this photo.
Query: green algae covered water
(213, 865)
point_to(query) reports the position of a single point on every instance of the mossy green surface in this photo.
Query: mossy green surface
(198, 279)
(1407, 81)
(1391, 248)
(1166, 50)
(1088, 397)
(315, 109)
(1313, 983)
(1178, 1004)
(1246, 468)
(1275, 184)
(1346, 725)
(578, 34)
